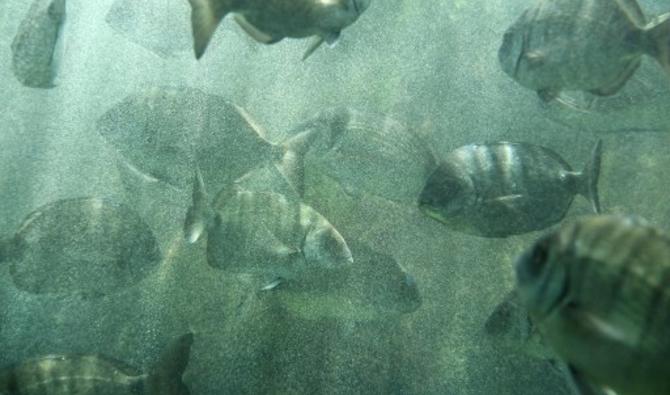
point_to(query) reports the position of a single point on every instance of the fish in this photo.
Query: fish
(161, 26)
(503, 189)
(597, 289)
(98, 375)
(270, 21)
(366, 153)
(375, 288)
(164, 133)
(89, 247)
(582, 45)
(264, 233)
(34, 48)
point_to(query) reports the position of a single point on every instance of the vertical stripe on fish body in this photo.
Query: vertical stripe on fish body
(500, 189)
(264, 232)
(599, 291)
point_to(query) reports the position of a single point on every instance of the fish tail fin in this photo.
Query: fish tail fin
(589, 177)
(205, 18)
(197, 216)
(165, 378)
(657, 43)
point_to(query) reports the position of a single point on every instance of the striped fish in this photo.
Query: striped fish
(98, 375)
(365, 153)
(34, 46)
(584, 45)
(264, 233)
(502, 189)
(599, 291)
(90, 247)
(270, 21)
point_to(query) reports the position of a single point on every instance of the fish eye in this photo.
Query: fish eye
(538, 257)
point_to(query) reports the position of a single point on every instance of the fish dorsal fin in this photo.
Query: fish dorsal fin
(253, 31)
(633, 10)
(205, 18)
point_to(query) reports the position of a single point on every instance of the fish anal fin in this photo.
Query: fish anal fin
(616, 85)
(166, 377)
(205, 18)
(254, 32)
(582, 385)
(657, 40)
(547, 95)
(313, 46)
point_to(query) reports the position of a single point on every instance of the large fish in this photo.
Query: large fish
(34, 60)
(365, 153)
(270, 21)
(98, 375)
(502, 189)
(598, 291)
(264, 233)
(164, 133)
(87, 246)
(585, 45)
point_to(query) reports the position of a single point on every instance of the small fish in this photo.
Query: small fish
(597, 289)
(270, 21)
(365, 153)
(166, 132)
(86, 246)
(99, 375)
(503, 189)
(265, 233)
(34, 55)
(583, 45)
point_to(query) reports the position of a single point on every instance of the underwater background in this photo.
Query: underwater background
(432, 65)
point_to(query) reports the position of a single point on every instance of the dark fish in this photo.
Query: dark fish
(502, 189)
(98, 375)
(585, 45)
(270, 21)
(34, 46)
(164, 133)
(158, 25)
(264, 233)
(598, 291)
(87, 246)
(376, 287)
(365, 153)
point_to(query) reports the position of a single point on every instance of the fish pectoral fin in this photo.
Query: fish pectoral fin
(547, 95)
(198, 214)
(272, 284)
(582, 385)
(509, 202)
(332, 38)
(205, 18)
(254, 32)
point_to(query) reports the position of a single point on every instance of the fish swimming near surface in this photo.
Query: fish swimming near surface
(85, 246)
(34, 54)
(503, 189)
(270, 21)
(264, 233)
(98, 375)
(365, 153)
(165, 132)
(582, 45)
(597, 289)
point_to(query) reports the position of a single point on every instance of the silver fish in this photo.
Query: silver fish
(376, 287)
(98, 375)
(585, 45)
(365, 153)
(87, 246)
(502, 189)
(597, 289)
(270, 21)
(264, 233)
(34, 46)
(165, 133)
